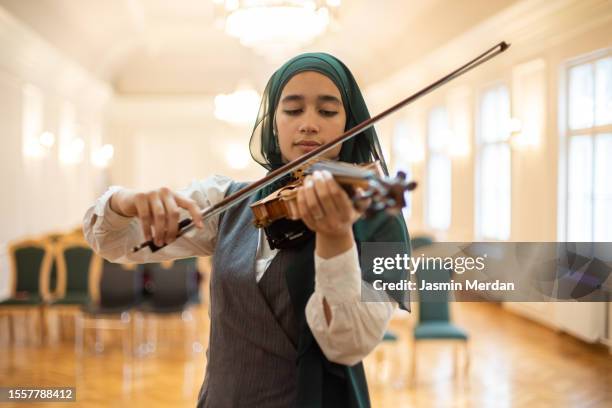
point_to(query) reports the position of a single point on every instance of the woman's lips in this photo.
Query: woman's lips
(308, 146)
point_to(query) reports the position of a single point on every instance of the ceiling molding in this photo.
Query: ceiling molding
(530, 26)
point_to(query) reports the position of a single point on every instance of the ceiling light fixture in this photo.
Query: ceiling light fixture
(276, 27)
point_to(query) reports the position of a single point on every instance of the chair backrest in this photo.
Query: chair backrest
(30, 264)
(421, 241)
(78, 260)
(433, 306)
(195, 277)
(77, 264)
(192, 262)
(120, 287)
(174, 287)
(433, 311)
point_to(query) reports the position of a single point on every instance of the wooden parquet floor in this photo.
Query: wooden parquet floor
(514, 363)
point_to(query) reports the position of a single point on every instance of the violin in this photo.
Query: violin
(363, 183)
(391, 197)
(366, 185)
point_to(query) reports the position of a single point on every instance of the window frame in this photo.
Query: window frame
(566, 133)
(478, 151)
(428, 154)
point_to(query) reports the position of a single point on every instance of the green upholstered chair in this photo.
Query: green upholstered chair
(119, 290)
(414, 243)
(30, 263)
(196, 297)
(434, 315)
(78, 270)
(173, 292)
(76, 263)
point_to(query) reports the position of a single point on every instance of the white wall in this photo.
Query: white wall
(168, 141)
(41, 195)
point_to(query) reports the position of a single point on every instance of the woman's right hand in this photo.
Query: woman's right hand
(157, 210)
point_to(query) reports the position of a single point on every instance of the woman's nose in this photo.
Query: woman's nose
(309, 124)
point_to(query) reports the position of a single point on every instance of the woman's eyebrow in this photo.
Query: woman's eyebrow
(290, 98)
(328, 98)
(320, 98)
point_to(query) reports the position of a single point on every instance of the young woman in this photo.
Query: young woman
(288, 327)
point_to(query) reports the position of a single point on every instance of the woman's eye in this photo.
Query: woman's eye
(292, 111)
(327, 112)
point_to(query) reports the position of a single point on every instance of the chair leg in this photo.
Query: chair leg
(51, 324)
(152, 334)
(61, 329)
(127, 335)
(6, 321)
(99, 343)
(400, 366)
(196, 345)
(379, 357)
(33, 330)
(64, 329)
(26, 327)
(13, 326)
(42, 320)
(395, 365)
(456, 360)
(11, 330)
(139, 338)
(78, 333)
(188, 318)
(413, 368)
(467, 359)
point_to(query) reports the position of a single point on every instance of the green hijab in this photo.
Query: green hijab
(264, 147)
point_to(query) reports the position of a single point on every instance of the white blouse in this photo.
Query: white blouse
(355, 327)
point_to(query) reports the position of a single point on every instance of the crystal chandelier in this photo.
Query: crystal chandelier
(276, 27)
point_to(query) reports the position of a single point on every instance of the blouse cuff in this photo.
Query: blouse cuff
(338, 278)
(108, 219)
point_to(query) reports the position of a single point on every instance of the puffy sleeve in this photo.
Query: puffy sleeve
(113, 236)
(356, 327)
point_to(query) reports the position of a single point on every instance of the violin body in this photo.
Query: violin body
(365, 185)
(282, 203)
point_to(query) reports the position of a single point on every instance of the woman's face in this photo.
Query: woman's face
(309, 113)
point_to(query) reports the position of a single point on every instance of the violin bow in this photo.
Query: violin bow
(242, 194)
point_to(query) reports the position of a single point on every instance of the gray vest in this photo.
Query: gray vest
(253, 334)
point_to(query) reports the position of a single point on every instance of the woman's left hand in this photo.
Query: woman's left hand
(325, 207)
